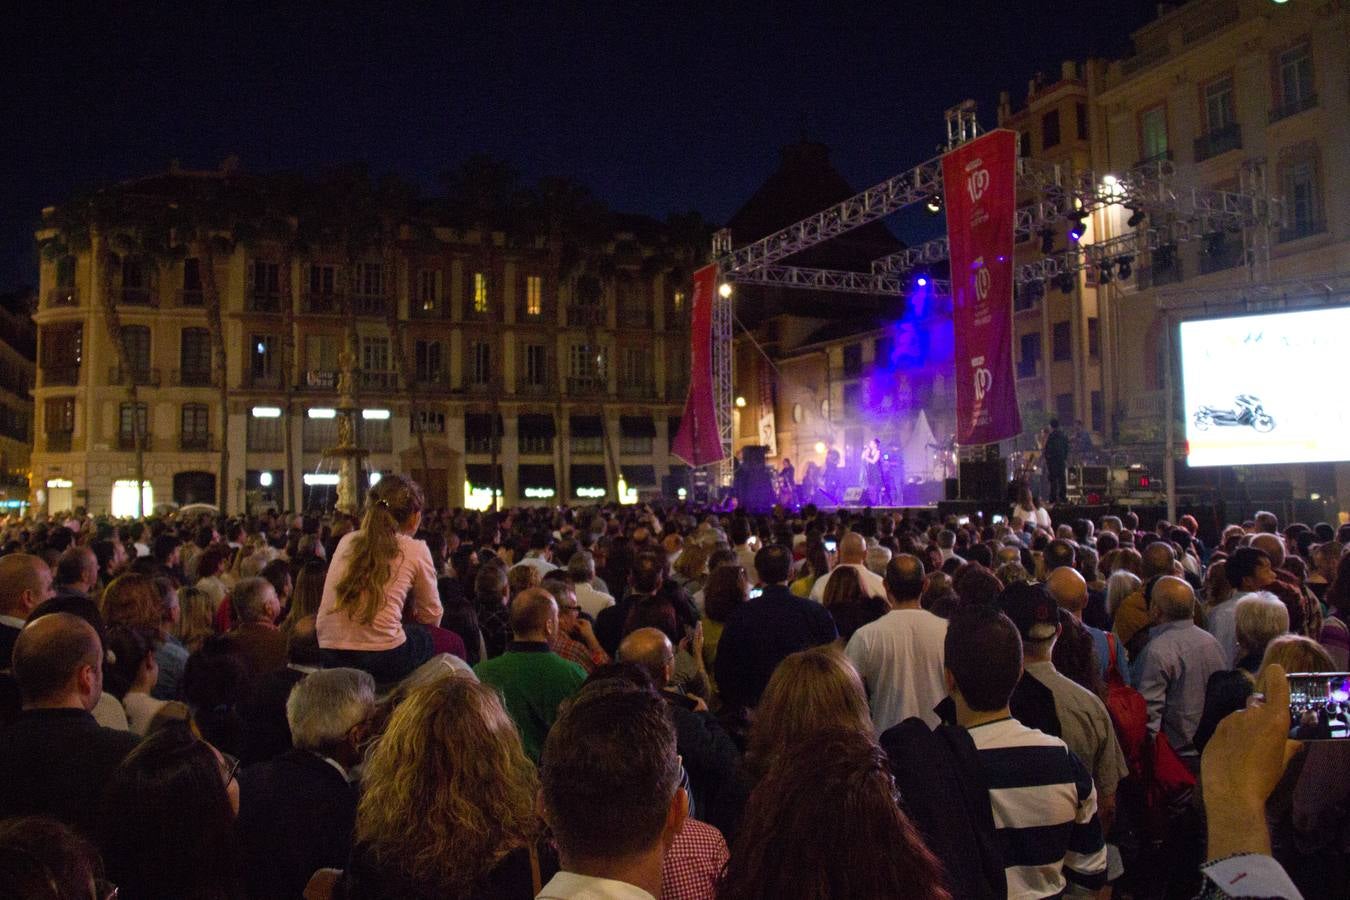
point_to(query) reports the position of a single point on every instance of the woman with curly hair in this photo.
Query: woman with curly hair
(448, 808)
(361, 621)
(824, 823)
(809, 691)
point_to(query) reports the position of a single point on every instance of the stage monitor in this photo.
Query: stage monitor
(1253, 388)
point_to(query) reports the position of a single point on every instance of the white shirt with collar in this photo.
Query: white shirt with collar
(592, 600)
(13, 622)
(571, 886)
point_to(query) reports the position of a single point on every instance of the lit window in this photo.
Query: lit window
(376, 414)
(124, 499)
(322, 413)
(269, 412)
(678, 300)
(534, 296)
(480, 292)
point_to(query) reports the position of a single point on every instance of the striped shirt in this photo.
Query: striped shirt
(1045, 811)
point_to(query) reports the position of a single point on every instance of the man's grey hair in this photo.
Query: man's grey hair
(581, 566)
(946, 539)
(877, 558)
(327, 704)
(250, 598)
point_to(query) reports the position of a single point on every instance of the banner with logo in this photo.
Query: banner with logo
(768, 425)
(979, 182)
(698, 441)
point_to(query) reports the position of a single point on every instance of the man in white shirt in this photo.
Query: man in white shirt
(852, 552)
(582, 569)
(610, 785)
(540, 557)
(899, 656)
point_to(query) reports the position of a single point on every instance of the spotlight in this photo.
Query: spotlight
(1104, 273)
(921, 278)
(1137, 216)
(1125, 264)
(1079, 226)
(725, 290)
(934, 204)
(1065, 282)
(740, 403)
(1047, 240)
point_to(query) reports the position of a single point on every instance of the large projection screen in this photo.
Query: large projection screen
(1259, 389)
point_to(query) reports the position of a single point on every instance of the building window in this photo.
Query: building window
(1098, 413)
(192, 281)
(534, 433)
(1296, 79)
(1024, 144)
(636, 371)
(65, 272)
(1153, 132)
(1030, 345)
(677, 301)
(1219, 107)
(194, 357)
(1298, 179)
(534, 295)
(62, 352)
(323, 280)
(317, 435)
(375, 354)
(536, 365)
(263, 357)
(1081, 117)
(852, 399)
(1064, 408)
(480, 363)
(430, 283)
(376, 435)
(58, 420)
(1050, 129)
(135, 281)
(1094, 338)
(195, 427)
(136, 344)
(587, 366)
(265, 434)
(480, 292)
(1061, 342)
(852, 360)
(131, 418)
(430, 364)
(427, 421)
(265, 295)
(369, 281)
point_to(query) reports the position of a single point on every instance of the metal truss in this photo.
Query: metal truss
(825, 280)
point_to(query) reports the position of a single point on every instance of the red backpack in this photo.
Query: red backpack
(1129, 712)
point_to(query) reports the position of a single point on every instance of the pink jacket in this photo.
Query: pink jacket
(411, 572)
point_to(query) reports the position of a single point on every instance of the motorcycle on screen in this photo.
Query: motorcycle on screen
(1246, 411)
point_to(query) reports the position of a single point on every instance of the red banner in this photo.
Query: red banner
(698, 442)
(979, 182)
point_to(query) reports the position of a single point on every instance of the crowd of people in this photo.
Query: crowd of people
(640, 701)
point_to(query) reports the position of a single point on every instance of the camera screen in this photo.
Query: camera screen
(1319, 706)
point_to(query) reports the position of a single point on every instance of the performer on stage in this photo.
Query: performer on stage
(831, 485)
(871, 473)
(1056, 462)
(787, 483)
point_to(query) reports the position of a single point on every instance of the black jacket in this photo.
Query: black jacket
(761, 634)
(712, 761)
(296, 815)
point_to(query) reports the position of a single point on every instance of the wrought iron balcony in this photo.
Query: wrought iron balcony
(196, 441)
(264, 302)
(65, 295)
(378, 381)
(1293, 107)
(126, 440)
(369, 304)
(586, 315)
(319, 380)
(147, 377)
(137, 296)
(637, 390)
(587, 385)
(193, 298)
(1301, 229)
(59, 441)
(321, 304)
(194, 378)
(1216, 142)
(60, 376)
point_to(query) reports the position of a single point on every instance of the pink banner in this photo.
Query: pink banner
(698, 442)
(979, 185)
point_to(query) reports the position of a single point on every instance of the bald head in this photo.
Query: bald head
(534, 615)
(853, 549)
(1068, 589)
(1158, 560)
(651, 649)
(1173, 599)
(58, 661)
(1273, 547)
(904, 578)
(25, 581)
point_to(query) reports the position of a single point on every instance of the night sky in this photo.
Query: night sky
(657, 107)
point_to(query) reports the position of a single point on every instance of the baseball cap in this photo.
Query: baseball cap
(1028, 604)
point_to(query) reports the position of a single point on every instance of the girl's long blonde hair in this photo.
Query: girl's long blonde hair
(448, 788)
(391, 503)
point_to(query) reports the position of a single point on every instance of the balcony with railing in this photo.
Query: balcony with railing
(264, 302)
(543, 313)
(318, 380)
(586, 315)
(587, 385)
(476, 383)
(270, 381)
(320, 304)
(192, 299)
(146, 377)
(635, 315)
(1217, 256)
(137, 295)
(194, 378)
(1217, 142)
(63, 295)
(195, 441)
(369, 304)
(1301, 228)
(1155, 159)
(642, 389)
(677, 387)
(126, 440)
(59, 441)
(429, 308)
(1293, 107)
(377, 381)
(435, 382)
(60, 376)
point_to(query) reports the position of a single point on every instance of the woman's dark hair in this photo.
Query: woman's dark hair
(215, 680)
(125, 648)
(1075, 657)
(816, 558)
(1338, 594)
(723, 592)
(871, 849)
(42, 859)
(166, 824)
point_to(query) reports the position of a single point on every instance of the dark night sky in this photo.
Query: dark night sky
(657, 107)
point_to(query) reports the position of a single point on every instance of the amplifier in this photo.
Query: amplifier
(1091, 476)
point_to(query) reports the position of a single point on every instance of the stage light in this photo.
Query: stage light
(725, 290)
(1126, 264)
(1104, 273)
(1079, 226)
(934, 204)
(820, 446)
(921, 281)
(1137, 216)
(1047, 240)
(1065, 282)
(740, 403)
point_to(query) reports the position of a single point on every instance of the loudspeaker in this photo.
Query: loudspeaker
(853, 496)
(754, 487)
(753, 454)
(983, 479)
(951, 489)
